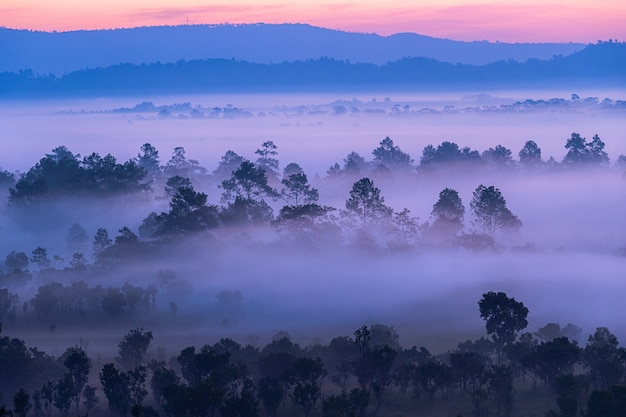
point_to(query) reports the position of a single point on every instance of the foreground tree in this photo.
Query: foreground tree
(504, 318)
(133, 348)
(78, 364)
(604, 359)
(307, 375)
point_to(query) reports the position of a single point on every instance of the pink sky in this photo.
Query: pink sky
(507, 21)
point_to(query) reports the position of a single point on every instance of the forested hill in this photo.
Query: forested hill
(60, 52)
(603, 64)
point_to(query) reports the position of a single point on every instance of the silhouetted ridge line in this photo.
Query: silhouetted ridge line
(600, 64)
(60, 52)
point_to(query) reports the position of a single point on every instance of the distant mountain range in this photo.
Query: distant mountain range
(61, 52)
(603, 64)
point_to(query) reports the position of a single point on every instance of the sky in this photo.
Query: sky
(505, 21)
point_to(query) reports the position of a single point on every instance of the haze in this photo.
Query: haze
(563, 257)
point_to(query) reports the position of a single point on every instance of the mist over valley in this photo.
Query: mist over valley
(314, 237)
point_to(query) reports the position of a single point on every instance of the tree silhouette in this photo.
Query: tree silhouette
(530, 155)
(604, 359)
(297, 190)
(307, 375)
(266, 160)
(133, 348)
(490, 210)
(247, 182)
(366, 203)
(504, 317)
(579, 151)
(447, 214)
(78, 364)
(391, 156)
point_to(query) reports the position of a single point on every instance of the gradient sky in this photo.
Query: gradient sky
(507, 21)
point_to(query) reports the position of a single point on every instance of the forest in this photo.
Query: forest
(508, 372)
(140, 276)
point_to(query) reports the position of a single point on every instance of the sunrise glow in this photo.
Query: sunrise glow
(507, 21)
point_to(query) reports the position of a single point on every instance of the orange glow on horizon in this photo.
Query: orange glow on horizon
(530, 21)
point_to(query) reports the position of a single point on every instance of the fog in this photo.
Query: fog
(307, 125)
(566, 263)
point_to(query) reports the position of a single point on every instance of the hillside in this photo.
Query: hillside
(60, 52)
(602, 64)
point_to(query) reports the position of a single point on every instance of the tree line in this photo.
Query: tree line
(366, 374)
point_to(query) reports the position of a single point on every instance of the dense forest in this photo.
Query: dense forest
(509, 372)
(135, 279)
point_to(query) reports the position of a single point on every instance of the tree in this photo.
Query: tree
(607, 403)
(490, 211)
(432, 376)
(297, 190)
(162, 378)
(448, 213)
(354, 164)
(292, 168)
(504, 317)
(101, 241)
(76, 237)
(78, 262)
(113, 302)
(308, 374)
(579, 151)
(366, 202)
(78, 364)
(243, 403)
(22, 403)
(133, 348)
(181, 166)
(604, 359)
(227, 165)
(530, 155)
(596, 151)
(381, 360)
(116, 386)
(554, 358)
(16, 261)
(391, 156)
(63, 394)
(148, 160)
(189, 211)
(91, 399)
(8, 303)
(174, 183)
(568, 389)
(266, 160)
(500, 384)
(40, 258)
(271, 393)
(468, 369)
(498, 157)
(346, 405)
(247, 182)
(446, 153)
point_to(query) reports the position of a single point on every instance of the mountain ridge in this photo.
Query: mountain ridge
(596, 65)
(60, 52)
